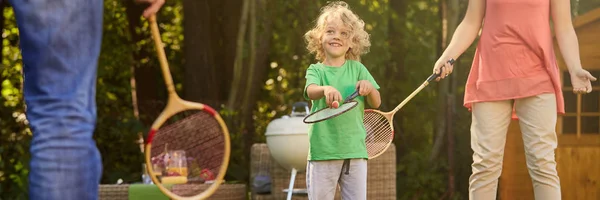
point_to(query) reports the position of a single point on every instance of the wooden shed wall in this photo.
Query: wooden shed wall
(578, 156)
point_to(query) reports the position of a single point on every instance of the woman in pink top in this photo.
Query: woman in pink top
(515, 68)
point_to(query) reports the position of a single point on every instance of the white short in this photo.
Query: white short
(322, 178)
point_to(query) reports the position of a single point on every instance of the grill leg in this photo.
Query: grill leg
(291, 187)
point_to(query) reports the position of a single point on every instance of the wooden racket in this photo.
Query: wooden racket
(187, 149)
(380, 127)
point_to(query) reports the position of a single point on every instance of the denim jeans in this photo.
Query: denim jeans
(60, 42)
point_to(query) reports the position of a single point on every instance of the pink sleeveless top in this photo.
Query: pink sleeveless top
(515, 54)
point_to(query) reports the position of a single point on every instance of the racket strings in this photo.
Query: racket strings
(379, 132)
(200, 136)
(329, 113)
(377, 123)
(198, 132)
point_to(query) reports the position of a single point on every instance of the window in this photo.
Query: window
(582, 112)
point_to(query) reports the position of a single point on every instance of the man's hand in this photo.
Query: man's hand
(153, 8)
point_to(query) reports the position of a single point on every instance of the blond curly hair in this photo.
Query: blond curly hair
(359, 38)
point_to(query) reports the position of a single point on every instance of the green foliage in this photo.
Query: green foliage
(237, 170)
(404, 47)
(421, 179)
(15, 136)
(581, 7)
(118, 129)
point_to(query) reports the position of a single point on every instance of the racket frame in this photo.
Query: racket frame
(175, 105)
(349, 99)
(389, 116)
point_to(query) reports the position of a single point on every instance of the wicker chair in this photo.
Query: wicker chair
(381, 178)
(113, 192)
(225, 191)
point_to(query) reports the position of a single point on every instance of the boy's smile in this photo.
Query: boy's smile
(335, 44)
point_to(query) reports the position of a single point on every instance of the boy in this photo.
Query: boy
(337, 150)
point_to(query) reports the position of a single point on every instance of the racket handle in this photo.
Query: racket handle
(434, 75)
(353, 95)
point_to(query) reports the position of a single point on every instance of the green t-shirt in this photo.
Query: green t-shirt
(342, 137)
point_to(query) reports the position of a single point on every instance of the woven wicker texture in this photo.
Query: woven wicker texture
(260, 165)
(381, 180)
(113, 192)
(224, 192)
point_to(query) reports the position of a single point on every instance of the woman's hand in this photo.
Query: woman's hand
(581, 81)
(444, 66)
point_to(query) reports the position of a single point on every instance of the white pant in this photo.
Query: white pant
(537, 119)
(322, 178)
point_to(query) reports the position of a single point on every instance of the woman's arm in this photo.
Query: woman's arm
(463, 37)
(565, 33)
(569, 45)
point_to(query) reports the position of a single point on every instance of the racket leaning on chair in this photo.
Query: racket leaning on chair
(379, 124)
(187, 149)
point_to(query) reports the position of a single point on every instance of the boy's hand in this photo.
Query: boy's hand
(331, 94)
(365, 87)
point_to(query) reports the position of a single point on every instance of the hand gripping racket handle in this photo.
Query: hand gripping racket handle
(434, 75)
(352, 96)
(425, 83)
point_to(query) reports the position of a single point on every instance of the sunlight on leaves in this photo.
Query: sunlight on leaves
(111, 96)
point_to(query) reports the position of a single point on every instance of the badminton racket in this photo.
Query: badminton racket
(379, 125)
(187, 148)
(331, 112)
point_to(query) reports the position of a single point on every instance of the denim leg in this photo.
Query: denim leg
(60, 42)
